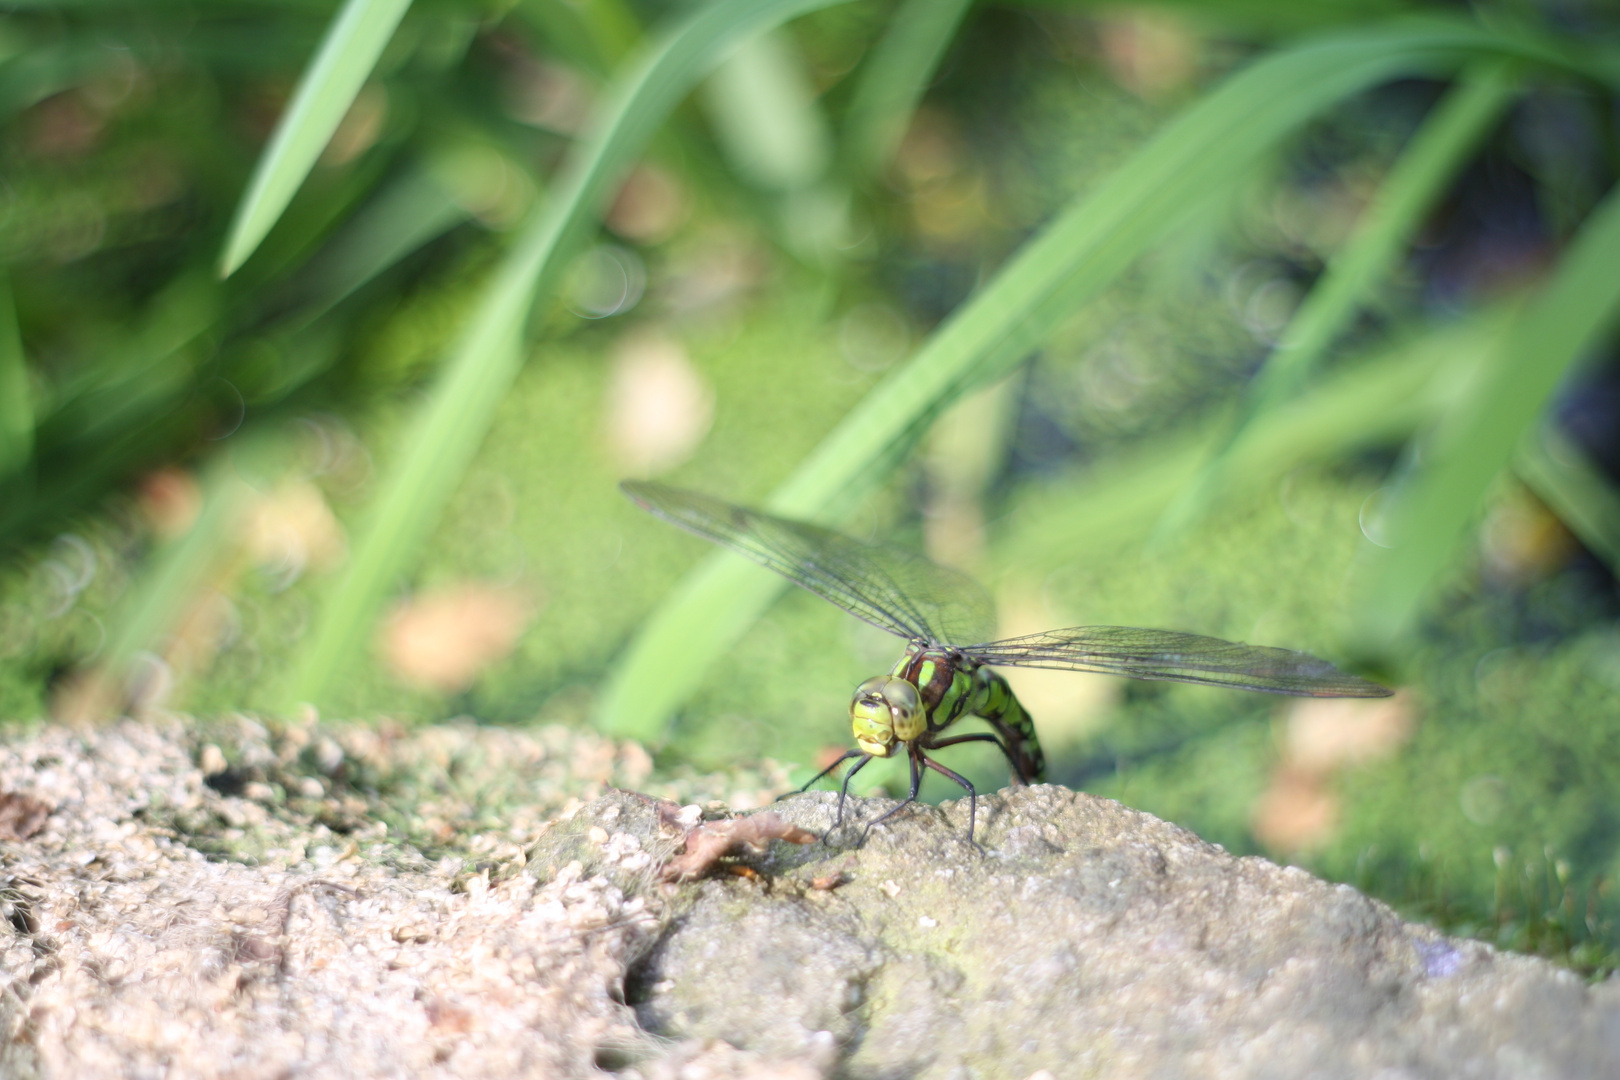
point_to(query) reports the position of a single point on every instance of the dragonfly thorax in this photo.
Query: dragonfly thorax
(886, 711)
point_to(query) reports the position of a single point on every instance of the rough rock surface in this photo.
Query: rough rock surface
(155, 925)
(1088, 939)
(313, 907)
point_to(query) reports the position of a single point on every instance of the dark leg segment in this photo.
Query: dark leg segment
(1025, 754)
(843, 792)
(973, 796)
(1012, 759)
(916, 784)
(846, 756)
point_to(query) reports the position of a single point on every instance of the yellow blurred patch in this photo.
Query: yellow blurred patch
(292, 530)
(1150, 53)
(659, 407)
(1065, 705)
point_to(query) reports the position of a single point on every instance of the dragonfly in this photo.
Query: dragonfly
(940, 680)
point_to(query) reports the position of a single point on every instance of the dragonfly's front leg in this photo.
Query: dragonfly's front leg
(842, 758)
(916, 785)
(843, 792)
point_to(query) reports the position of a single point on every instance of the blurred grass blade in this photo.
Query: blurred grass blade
(179, 570)
(35, 71)
(341, 65)
(489, 354)
(180, 573)
(1077, 255)
(1424, 172)
(413, 210)
(16, 415)
(765, 116)
(154, 367)
(1435, 504)
(1376, 401)
(893, 80)
(1575, 489)
(593, 36)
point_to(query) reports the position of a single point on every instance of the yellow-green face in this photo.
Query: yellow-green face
(885, 712)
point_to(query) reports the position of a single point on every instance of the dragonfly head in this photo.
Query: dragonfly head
(886, 710)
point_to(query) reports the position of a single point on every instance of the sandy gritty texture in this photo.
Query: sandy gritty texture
(314, 943)
(317, 901)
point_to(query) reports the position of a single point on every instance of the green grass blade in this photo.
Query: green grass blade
(178, 572)
(1377, 401)
(1423, 173)
(765, 118)
(16, 415)
(1435, 505)
(151, 368)
(35, 71)
(594, 36)
(487, 358)
(346, 57)
(413, 210)
(1078, 254)
(1560, 473)
(893, 80)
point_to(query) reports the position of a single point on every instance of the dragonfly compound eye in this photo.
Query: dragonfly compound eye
(885, 711)
(905, 706)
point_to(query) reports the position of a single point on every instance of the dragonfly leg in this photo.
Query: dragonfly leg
(846, 756)
(1012, 759)
(973, 796)
(916, 785)
(843, 792)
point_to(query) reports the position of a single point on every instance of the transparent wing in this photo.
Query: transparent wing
(1166, 654)
(888, 587)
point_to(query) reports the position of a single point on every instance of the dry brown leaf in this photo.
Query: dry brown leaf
(1150, 53)
(828, 882)
(1299, 810)
(707, 843)
(293, 529)
(547, 95)
(170, 500)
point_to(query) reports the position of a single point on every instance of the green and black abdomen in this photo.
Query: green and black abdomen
(996, 704)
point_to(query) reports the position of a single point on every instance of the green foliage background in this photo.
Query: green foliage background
(1201, 319)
